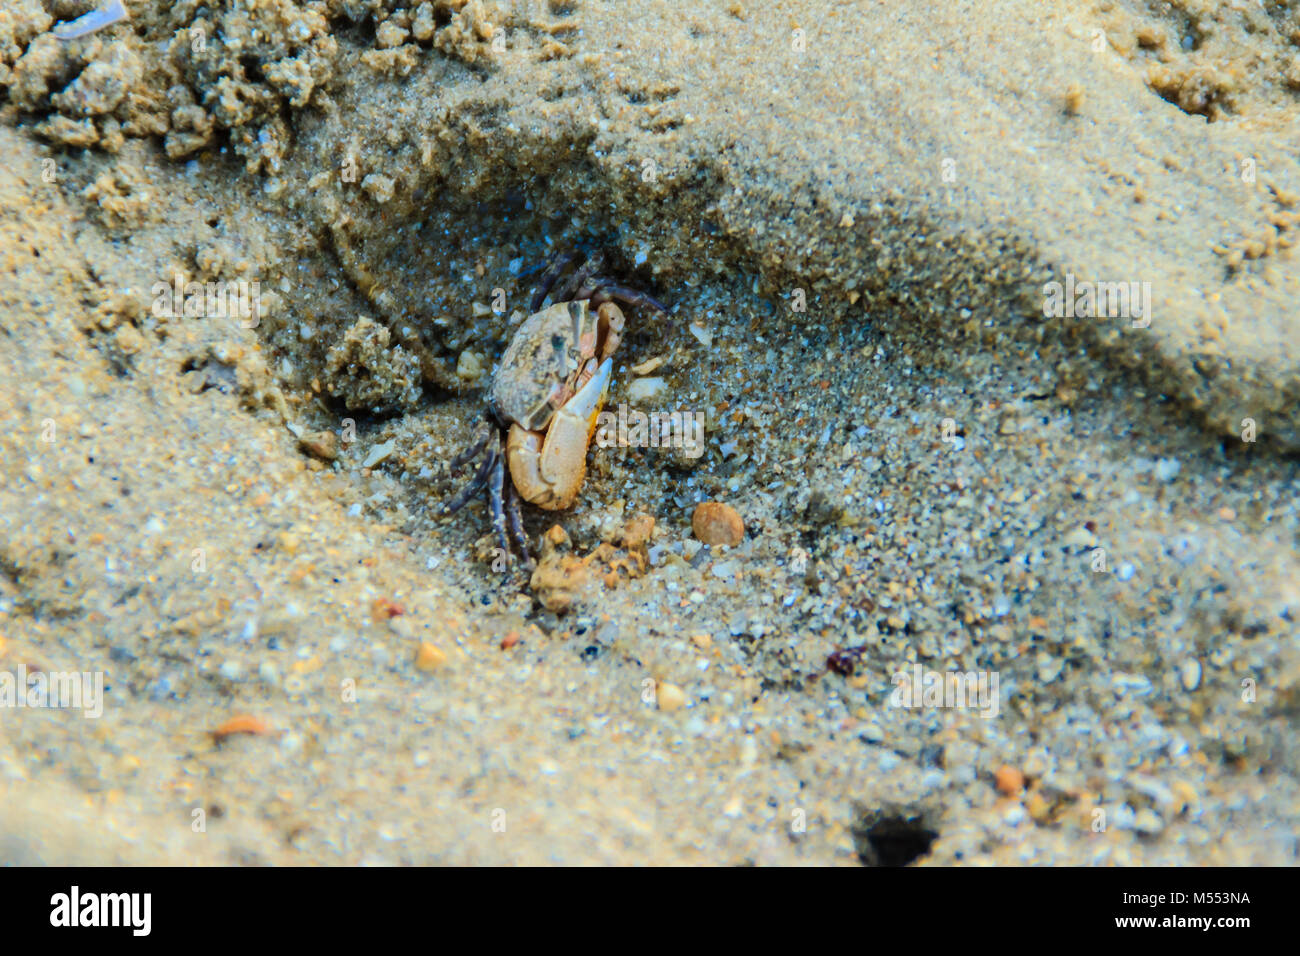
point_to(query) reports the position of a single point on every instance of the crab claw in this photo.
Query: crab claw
(590, 399)
(548, 469)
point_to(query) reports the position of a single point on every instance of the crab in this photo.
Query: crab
(545, 398)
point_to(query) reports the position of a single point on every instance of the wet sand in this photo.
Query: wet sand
(854, 211)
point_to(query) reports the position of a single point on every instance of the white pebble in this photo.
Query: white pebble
(1167, 468)
(232, 670)
(379, 453)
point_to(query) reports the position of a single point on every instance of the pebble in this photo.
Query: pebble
(726, 569)
(670, 697)
(1148, 822)
(470, 367)
(648, 366)
(1009, 780)
(1079, 537)
(717, 523)
(322, 444)
(379, 453)
(1191, 674)
(232, 670)
(646, 388)
(430, 658)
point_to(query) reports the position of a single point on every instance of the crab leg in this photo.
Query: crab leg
(577, 287)
(474, 450)
(473, 487)
(607, 291)
(495, 479)
(516, 519)
(549, 279)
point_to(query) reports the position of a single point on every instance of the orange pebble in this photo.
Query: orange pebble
(1009, 780)
(240, 724)
(717, 523)
(429, 657)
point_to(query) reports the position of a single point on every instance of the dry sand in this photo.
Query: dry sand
(853, 209)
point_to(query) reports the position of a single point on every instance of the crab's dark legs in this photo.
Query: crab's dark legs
(585, 283)
(516, 519)
(496, 478)
(488, 430)
(474, 486)
(503, 498)
(549, 278)
(605, 290)
(578, 285)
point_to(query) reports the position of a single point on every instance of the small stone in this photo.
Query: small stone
(644, 389)
(389, 35)
(470, 366)
(379, 186)
(129, 340)
(379, 453)
(232, 670)
(1009, 780)
(717, 523)
(322, 444)
(1191, 674)
(702, 641)
(670, 697)
(1167, 469)
(1039, 809)
(1148, 822)
(430, 658)
(269, 674)
(1079, 537)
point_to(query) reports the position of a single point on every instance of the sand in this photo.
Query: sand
(855, 211)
